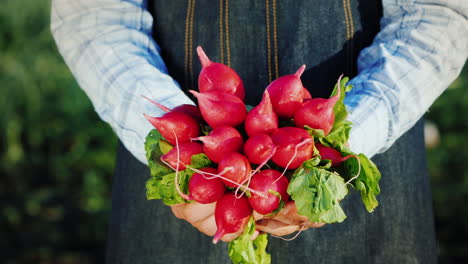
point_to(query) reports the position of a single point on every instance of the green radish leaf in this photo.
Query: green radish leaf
(152, 144)
(338, 136)
(162, 183)
(163, 188)
(165, 146)
(242, 250)
(314, 132)
(313, 162)
(367, 183)
(317, 193)
(340, 109)
(199, 161)
(154, 153)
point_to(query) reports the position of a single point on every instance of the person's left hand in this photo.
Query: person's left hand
(286, 222)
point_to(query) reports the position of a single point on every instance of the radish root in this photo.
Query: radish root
(359, 168)
(294, 237)
(293, 157)
(273, 152)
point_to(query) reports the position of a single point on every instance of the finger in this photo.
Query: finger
(230, 237)
(276, 228)
(177, 210)
(255, 235)
(195, 212)
(207, 226)
(313, 225)
(290, 216)
(257, 216)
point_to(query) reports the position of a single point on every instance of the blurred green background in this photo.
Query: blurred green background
(57, 157)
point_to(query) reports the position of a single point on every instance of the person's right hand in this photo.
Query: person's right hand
(286, 222)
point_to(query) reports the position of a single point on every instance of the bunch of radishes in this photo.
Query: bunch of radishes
(251, 152)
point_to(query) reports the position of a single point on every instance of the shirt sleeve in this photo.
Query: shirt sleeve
(419, 51)
(107, 45)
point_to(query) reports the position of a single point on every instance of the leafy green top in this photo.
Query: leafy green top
(162, 183)
(243, 250)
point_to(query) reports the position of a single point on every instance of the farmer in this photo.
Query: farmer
(401, 55)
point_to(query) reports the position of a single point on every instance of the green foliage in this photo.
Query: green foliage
(244, 250)
(317, 193)
(162, 184)
(448, 170)
(56, 156)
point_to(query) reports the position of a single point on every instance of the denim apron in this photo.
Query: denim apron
(263, 40)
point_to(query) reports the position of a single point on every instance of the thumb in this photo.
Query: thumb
(257, 216)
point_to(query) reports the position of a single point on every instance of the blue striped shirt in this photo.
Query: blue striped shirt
(419, 51)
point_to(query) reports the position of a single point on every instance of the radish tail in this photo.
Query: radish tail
(205, 61)
(219, 234)
(335, 98)
(292, 158)
(294, 237)
(162, 107)
(300, 71)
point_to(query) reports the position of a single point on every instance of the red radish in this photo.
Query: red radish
(318, 113)
(206, 190)
(221, 109)
(261, 119)
(295, 146)
(175, 124)
(221, 141)
(235, 167)
(258, 148)
(287, 94)
(218, 77)
(231, 215)
(266, 181)
(189, 109)
(307, 95)
(332, 154)
(182, 154)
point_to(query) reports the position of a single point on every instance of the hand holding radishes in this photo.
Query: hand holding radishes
(232, 173)
(202, 217)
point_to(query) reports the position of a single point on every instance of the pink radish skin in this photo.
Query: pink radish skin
(218, 77)
(261, 119)
(236, 167)
(332, 154)
(221, 109)
(204, 190)
(175, 124)
(231, 215)
(221, 141)
(189, 109)
(287, 94)
(258, 148)
(318, 113)
(264, 181)
(186, 151)
(295, 146)
(307, 95)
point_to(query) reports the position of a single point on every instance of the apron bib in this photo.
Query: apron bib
(262, 40)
